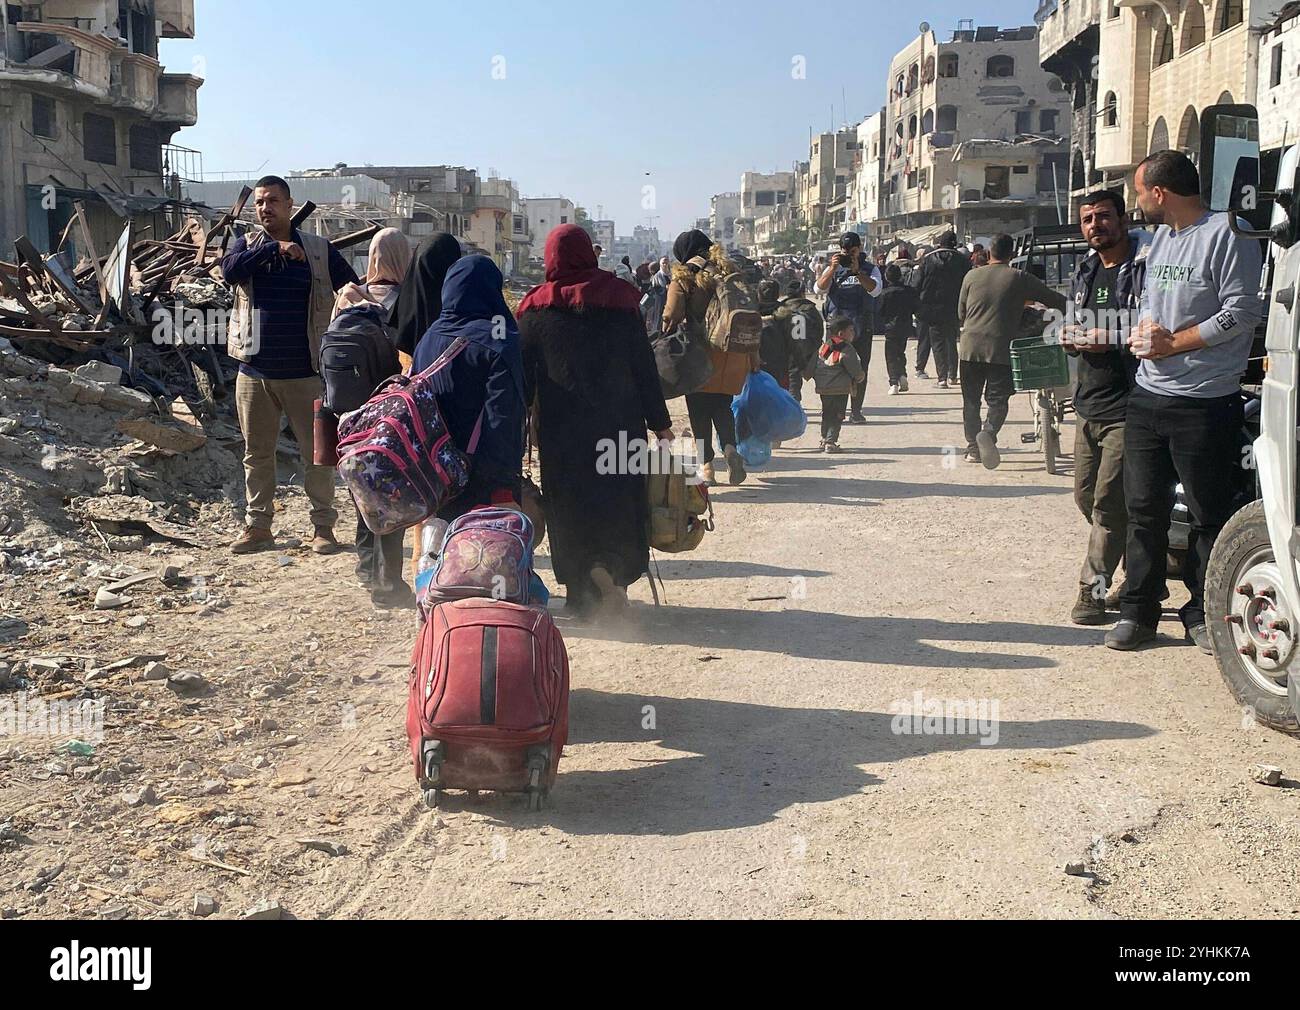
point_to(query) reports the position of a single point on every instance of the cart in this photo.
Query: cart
(1043, 370)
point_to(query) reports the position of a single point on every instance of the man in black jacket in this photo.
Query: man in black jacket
(938, 283)
(1106, 290)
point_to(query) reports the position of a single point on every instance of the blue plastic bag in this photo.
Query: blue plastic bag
(755, 452)
(766, 412)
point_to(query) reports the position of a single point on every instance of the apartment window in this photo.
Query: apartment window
(99, 139)
(780, 197)
(1052, 172)
(1164, 46)
(43, 116)
(1019, 169)
(1193, 26)
(1230, 15)
(564, 219)
(913, 78)
(1025, 121)
(1000, 66)
(923, 178)
(911, 127)
(1110, 110)
(420, 185)
(997, 182)
(946, 119)
(765, 198)
(146, 150)
(912, 180)
(927, 122)
(948, 65)
(1275, 70)
(1047, 121)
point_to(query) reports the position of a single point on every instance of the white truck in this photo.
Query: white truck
(1252, 591)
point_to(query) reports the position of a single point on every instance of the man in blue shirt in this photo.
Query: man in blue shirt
(852, 283)
(284, 283)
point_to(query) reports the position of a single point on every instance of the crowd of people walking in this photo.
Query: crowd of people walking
(1157, 394)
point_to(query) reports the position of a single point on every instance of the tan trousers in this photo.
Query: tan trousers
(261, 403)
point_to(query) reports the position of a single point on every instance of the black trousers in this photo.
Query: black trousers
(863, 345)
(833, 410)
(994, 384)
(923, 348)
(380, 559)
(1170, 440)
(896, 356)
(710, 413)
(942, 336)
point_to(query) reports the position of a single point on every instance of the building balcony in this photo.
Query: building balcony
(1059, 24)
(178, 99)
(135, 83)
(62, 56)
(176, 18)
(496, 204)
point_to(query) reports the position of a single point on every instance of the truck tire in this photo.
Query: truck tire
(1242, 599)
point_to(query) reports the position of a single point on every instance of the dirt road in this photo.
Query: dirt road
(734, 754)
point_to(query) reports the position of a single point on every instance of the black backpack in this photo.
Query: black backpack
(683, 361)
(357, 353)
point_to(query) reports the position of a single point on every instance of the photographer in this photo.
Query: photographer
(851, 283)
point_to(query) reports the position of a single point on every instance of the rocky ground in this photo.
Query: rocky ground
(733, 754)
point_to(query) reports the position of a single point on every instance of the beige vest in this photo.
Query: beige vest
(242, 342)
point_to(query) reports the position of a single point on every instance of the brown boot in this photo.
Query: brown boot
(253, 540)
(323, 542)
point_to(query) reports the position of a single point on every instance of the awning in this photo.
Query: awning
(121, 204)
(922, 236)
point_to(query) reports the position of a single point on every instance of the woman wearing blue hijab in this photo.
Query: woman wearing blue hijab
(485, 381)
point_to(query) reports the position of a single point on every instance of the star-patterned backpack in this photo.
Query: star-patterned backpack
(397, 456)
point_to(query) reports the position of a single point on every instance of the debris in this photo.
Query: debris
(189, 768)
(265, 910)
(144, 797)
(156, 671)
(324, 845)
(76, 748)
(187, 683)
(220, 866)
(1266, 775)
(171, 436)
(104, 600)
(1076, 869)
(236, 771)
(204, 905)
(44, 878)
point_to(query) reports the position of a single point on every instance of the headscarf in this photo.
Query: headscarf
(573, 280)
(420, 303)
(473, 307)
(690, 244)
(390, 261)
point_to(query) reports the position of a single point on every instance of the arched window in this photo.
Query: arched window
(1226, 99)
(927, 122)
(1229, 15)
(1000, 66)
(1189, 134)
(1159, 137)
(1193, 26)
(927, 72)
(913, 78)
(946, 119)
(1080, 95)
(898, 85)
(948, 65)
(1110, 110)
(911, 127)
(1164, 51)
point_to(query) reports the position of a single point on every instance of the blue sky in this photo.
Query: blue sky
(575, 98)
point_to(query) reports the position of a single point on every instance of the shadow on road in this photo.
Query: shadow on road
(810, 634)
(820, 490)
(728, 765)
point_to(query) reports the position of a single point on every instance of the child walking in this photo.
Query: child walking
(896, 311)
(836, 369)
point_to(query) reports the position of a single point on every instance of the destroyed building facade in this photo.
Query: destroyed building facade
(973, 135)
(88, 114)
(1069, 46)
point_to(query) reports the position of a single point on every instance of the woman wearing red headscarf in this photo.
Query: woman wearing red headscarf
(591, 376)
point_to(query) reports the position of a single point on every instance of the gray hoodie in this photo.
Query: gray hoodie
(1203, 276)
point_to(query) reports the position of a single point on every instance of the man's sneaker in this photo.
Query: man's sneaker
(943, 383)
(921, 373)
(323, 542)
(1128, 636)
(735, 466)
(1089, 611)
(832, 447)
(857, 419)
(253, 540)
(972, 456)
(821, 445)
(989, 453)
(708, 475)
(902, 384)
(399, 597)
(893, 390)
(1199, 636)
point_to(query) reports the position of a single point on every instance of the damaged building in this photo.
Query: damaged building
(974, 135)
(87, 114)
(1069, 46)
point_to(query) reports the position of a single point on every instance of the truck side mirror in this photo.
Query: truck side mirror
(1230, 158)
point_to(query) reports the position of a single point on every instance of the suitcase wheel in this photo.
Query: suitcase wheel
(433, 798)
(433, 754)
